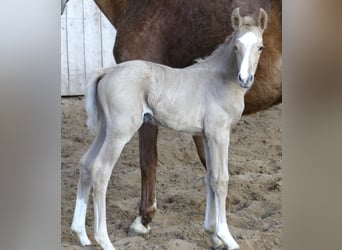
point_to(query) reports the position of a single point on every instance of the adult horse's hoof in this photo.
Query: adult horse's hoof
(137, 228)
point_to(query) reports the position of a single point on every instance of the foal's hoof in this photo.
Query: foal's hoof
(216, 243)
(137, 228)
(223, 247)
(219, 248)
(229, 244)
(224, 243)
(82, 235)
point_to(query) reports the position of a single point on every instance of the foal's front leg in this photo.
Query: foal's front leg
(210, 212)
(217, 143)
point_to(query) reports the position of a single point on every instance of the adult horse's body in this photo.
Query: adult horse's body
(174, 33)
(210, 103)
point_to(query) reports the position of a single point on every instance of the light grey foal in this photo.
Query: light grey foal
(206, 98)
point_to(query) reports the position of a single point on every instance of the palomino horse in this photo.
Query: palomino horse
(210, 103)
(175, 33)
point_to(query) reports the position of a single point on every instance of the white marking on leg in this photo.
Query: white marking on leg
(221, 218)
(155, 204)
(138, 227)
(210, 217)
(100, 223)
(78, 223)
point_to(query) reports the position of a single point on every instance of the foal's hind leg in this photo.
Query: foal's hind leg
(104, 163)
(84, 184)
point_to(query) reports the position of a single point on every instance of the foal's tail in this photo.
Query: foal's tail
(92, 107)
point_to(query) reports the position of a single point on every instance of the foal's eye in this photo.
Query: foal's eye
(261, 48)
(235, 48)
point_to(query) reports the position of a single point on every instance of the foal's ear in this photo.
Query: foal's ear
(236, 19)
(262, 22)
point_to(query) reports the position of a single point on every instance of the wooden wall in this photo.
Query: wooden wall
(87, 40)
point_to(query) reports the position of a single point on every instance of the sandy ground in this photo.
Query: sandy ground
(254, 214)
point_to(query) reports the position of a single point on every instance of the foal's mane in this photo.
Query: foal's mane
(248, 23)
(217, 51)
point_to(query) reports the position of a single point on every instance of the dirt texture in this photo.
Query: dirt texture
(254, 213)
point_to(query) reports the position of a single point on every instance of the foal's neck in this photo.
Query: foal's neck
(223, 60)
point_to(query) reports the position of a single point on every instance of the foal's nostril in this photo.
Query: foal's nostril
(251, 78)
(240, 79)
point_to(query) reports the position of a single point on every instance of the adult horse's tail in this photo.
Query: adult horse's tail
(92, 105)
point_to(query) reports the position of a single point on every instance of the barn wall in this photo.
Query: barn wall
(87, 40)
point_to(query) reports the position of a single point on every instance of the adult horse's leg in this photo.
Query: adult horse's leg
(148, 163)
(130, 46)
(198, 139)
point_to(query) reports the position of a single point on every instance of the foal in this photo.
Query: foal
(210, 102)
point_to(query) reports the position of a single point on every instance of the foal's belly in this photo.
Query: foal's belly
(175, 109)
(178, 120)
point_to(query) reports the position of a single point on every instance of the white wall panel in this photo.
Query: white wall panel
(87, 40)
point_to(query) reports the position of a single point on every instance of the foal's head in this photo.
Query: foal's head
(248, 45)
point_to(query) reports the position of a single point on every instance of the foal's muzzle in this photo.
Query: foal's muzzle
(246, 82)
